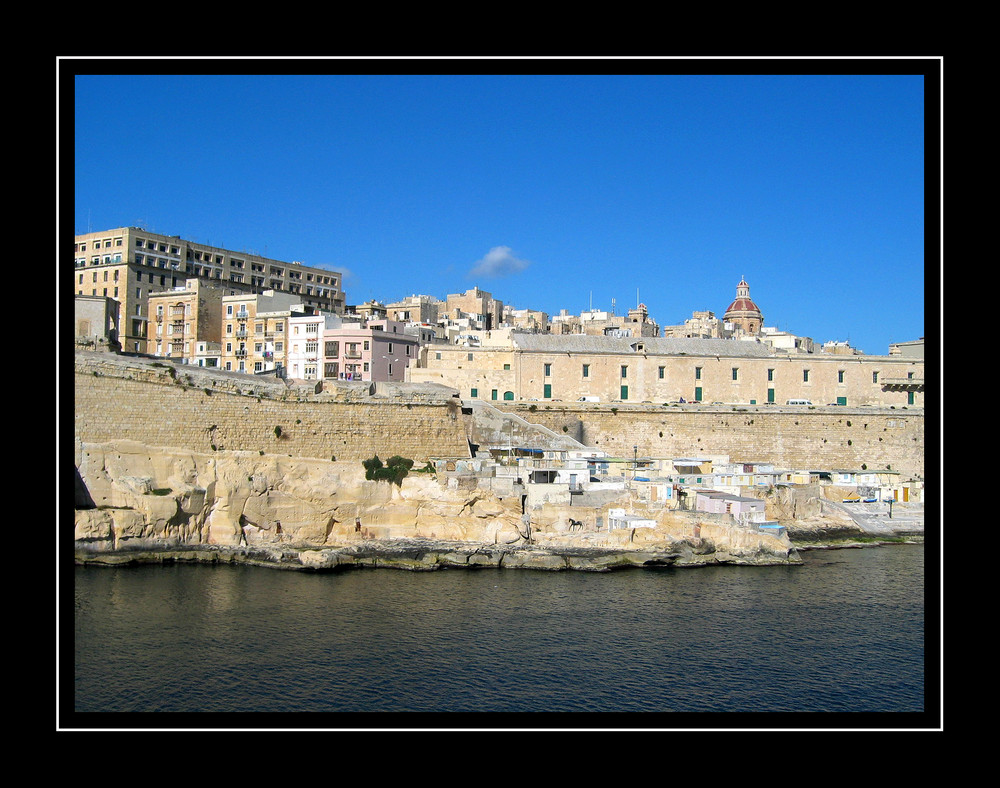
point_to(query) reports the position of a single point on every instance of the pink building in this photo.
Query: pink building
(377, 351)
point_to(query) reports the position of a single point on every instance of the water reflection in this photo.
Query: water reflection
(844, 634)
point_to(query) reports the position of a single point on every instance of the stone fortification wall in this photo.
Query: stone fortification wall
(186, 407)
(800, 438)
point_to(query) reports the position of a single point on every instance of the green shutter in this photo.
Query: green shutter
(624, 392)
(547, 391)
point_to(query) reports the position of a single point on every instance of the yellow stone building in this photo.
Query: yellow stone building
(130, 263)
(548, 367)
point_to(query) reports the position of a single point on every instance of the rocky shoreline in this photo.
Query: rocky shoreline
(138, 504)
(432, 555)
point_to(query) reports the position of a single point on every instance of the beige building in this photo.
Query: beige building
(701, 325)
(659, 370)
(183, 319)
(526, 319)
(479, 307)
(423, 309)
(595, 322)
(255, 330)
(96, 322)
(129, 263)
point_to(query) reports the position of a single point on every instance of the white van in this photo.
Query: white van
(798, 402)
(589, 399)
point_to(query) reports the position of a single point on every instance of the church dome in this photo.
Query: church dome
(743, 313)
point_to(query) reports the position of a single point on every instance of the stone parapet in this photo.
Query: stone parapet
(183, 406)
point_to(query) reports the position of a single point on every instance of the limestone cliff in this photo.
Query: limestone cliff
(132, 498)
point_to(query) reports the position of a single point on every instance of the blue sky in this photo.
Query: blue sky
(549, 191)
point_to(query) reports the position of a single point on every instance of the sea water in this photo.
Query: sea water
(844, 632)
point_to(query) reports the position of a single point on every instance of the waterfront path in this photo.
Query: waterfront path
(874, 519)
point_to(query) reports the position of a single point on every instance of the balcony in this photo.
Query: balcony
(902, 384)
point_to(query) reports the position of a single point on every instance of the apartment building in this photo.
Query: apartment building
(183, 320)
(130, 263)
(255, 329)
(595, 322)
(481, 309)
(422, 309)
(378, 351)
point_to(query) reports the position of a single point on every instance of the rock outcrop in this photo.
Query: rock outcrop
(136, 502)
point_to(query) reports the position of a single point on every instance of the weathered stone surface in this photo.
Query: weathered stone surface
(323, 515)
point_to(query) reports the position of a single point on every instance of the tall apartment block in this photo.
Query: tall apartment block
(129, 263)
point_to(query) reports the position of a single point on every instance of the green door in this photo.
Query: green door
(624, 392)
(770, 396)
(547, 391)
(697, 394)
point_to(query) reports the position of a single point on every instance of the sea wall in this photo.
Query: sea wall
(793, 438)
(186, 407)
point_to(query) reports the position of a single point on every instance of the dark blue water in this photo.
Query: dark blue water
(843, 633)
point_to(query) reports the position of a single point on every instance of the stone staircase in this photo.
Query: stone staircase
(492, 428)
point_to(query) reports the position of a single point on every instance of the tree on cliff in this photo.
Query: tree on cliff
(394, 470)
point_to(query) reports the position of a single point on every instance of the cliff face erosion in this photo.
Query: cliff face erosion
(134, 500)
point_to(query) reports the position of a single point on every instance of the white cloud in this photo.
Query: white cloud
(499, 261)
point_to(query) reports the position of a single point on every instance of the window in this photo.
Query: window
(660, 372)
(840, 376)
(437, 356)
(770, 375)
(697, 373)
(736, 373)
(368, 346)
(874, 377)
(805, 376)
(548, 370)
(474, 392)
(624, 371)
(586, 370)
